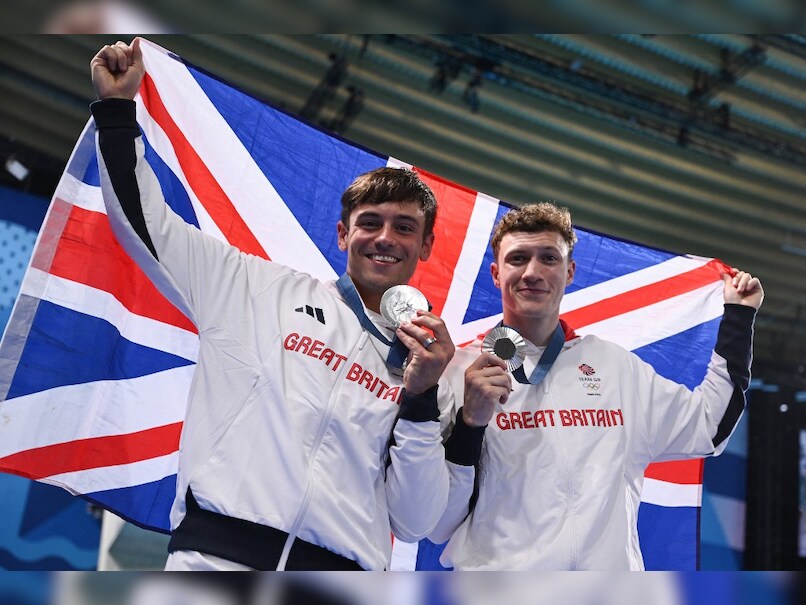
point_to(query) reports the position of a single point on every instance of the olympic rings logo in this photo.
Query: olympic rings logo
(591, 386)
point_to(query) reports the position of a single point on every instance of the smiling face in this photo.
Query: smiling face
(532, 269)
(383, 242)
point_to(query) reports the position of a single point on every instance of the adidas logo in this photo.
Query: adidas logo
(313, 312)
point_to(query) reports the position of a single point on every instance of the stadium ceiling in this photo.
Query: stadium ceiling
(690, 143)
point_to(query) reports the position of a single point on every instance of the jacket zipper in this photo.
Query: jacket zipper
(573, 561)
(323, 426)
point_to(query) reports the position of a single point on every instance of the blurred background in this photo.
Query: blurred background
(692, 143)
(344, 588)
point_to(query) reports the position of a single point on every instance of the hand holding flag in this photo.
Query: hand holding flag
(741, 288)
(118, 70)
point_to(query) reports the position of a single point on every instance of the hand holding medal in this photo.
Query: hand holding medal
(487, 384)
(407, 309)
(487, 381)
(507, 344)
(400, 304)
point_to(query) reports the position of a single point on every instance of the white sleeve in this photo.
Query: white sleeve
(462, 452)
(416, 477)
(463, 447)
(462, 481)
(681, 423)
(193, 270)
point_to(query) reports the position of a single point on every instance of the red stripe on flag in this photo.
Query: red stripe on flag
(95, 452)
(89, 253)
(646, 295)
(199, 177)
(688, 472)
(433, 278)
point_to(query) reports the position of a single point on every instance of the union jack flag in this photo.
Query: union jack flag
(95, 363)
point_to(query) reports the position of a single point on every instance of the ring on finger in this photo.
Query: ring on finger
(429, 341)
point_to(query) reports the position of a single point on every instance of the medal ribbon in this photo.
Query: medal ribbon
(398, 352)
(547, 360)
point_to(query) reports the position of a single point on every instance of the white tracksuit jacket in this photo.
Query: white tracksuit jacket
(561, 464)
(290, 411)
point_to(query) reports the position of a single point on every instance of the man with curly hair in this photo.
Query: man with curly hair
(545, 476)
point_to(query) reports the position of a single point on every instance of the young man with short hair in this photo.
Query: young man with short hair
(302, 447)
(545, 475)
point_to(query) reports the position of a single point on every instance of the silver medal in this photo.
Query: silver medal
(506, 343)
(400, 304)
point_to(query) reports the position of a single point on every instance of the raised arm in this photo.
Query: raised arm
(193, 270)
(686, 424)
